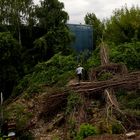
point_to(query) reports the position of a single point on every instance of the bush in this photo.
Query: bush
(94, 60)
(85, 131)
(34, 89)
(117, 128)
(105, 76)
(134, 104)
(18, 111)
(127, 53)
(23, 84)
(130, 100)
(74, 100)
(72, 128)
(56, 71)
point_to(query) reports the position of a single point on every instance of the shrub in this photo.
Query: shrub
(117, 128)
(23, 84)
(130, 100)
(134, 103)
(18, 111)
(85, 131)
(127, 53)
(105, 76)
(94, 60)
(74, 100)
(72, 128)
(56, 71)
(34, 89)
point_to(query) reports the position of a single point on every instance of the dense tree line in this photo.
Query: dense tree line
(29, 34)
(34, 51)
(122, 34)
(122, 27)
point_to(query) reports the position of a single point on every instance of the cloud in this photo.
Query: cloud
(77, 9)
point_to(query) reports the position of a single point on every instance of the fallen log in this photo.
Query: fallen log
(128, 82)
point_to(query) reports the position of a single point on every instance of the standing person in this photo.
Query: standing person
(79, 72)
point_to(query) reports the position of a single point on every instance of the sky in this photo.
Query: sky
(77, 9)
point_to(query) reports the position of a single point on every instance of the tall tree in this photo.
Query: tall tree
(10, 62)
(97, 25)
(124, 25)
(50, 14)
(52, 18)
(15, 13)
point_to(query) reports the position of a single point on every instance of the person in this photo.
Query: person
(79, 72)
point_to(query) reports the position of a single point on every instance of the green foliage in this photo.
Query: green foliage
(127, 53)
(23, 85)
(121, 92)
(110, 126)
(55, 138)
(57, 36)
(52, 42)
(85, 131)
(56, 71)
(65, 78)
(124, 25)
(72, 128)
(15, 12)
(117, 128)
(9, 48)
(133, 112)
(50, 72)
(98, 27)
(10, 62)
(41, 45)
(35, 88)
(39, 42)
(63, 38)
(94, 60)
(133, 100)
(83, 56)
(52, 12)
(18, 111)
(134, 104)
(74, 101)
(105, 76)
(129, 100)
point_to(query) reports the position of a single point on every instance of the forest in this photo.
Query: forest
(37, 62)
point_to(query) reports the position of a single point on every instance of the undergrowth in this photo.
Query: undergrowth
(86, 130)
(56, 71)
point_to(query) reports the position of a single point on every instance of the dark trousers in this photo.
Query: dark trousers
(79, 77)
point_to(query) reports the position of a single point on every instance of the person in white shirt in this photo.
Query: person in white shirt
(79, 72)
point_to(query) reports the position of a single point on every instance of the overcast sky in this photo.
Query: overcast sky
(77, 9)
